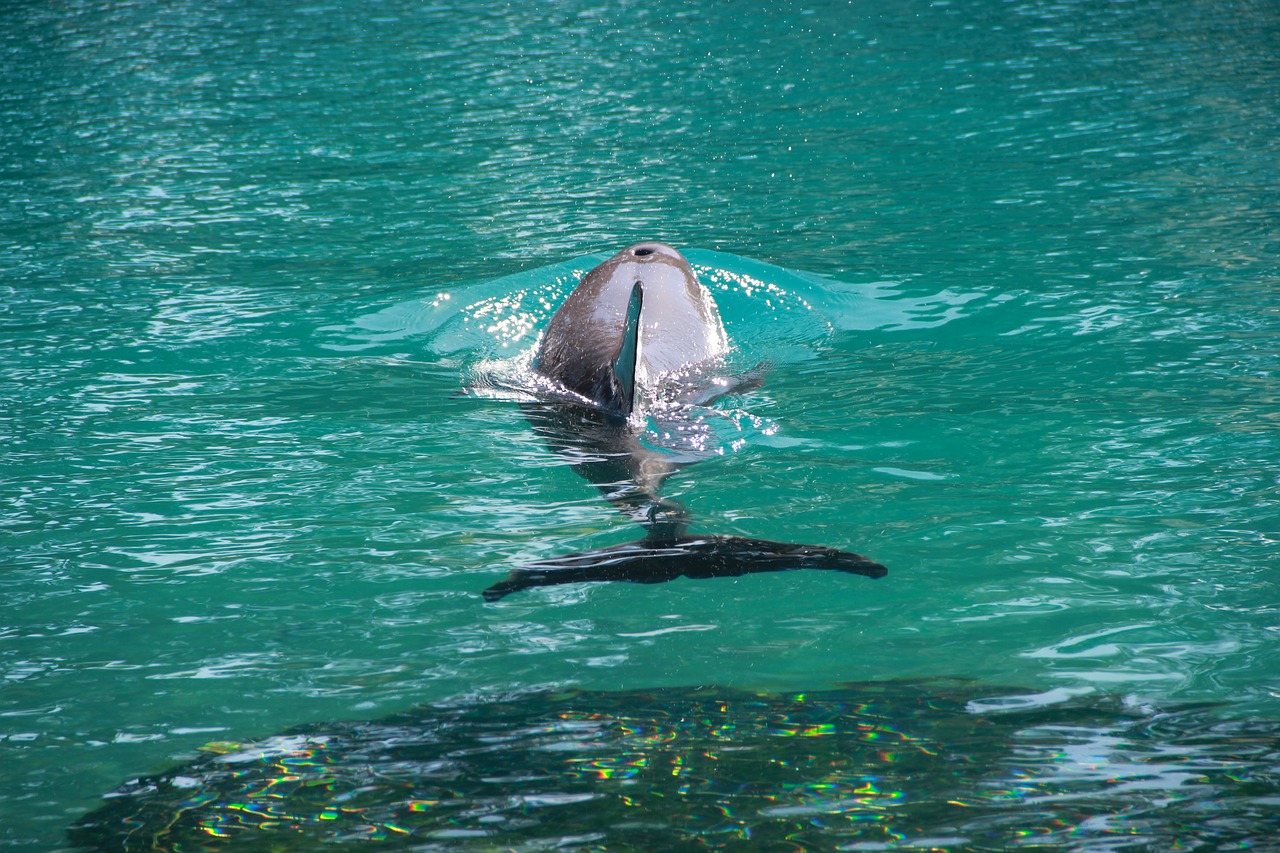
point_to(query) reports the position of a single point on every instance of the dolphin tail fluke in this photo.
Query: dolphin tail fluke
(649, 561)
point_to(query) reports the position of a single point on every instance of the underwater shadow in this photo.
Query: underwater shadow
(875, 766)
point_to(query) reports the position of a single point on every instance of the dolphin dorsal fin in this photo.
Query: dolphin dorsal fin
(624, 366)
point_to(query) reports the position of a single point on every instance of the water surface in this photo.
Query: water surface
(1015, 265)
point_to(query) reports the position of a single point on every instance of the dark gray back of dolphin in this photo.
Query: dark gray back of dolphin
(638, 317)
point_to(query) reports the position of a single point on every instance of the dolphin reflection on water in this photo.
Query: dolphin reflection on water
(640, 336)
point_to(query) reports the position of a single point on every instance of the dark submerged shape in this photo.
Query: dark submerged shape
(683, 556)
(641, 333)
(875, 766)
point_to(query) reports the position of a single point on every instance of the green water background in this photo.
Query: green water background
(232, 502)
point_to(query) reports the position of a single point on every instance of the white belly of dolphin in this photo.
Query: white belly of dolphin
(675, 331)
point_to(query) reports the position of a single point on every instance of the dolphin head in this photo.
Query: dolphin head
(638, 317)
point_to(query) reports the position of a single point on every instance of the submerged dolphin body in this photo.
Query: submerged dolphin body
(641, 334)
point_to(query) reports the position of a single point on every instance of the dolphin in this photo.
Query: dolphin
(641, 335)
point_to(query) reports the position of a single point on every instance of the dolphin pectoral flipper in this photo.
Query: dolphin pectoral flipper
(653, 560)
(624, 366)
(707, 392)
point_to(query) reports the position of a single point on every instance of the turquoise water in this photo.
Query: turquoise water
(1015, 266)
